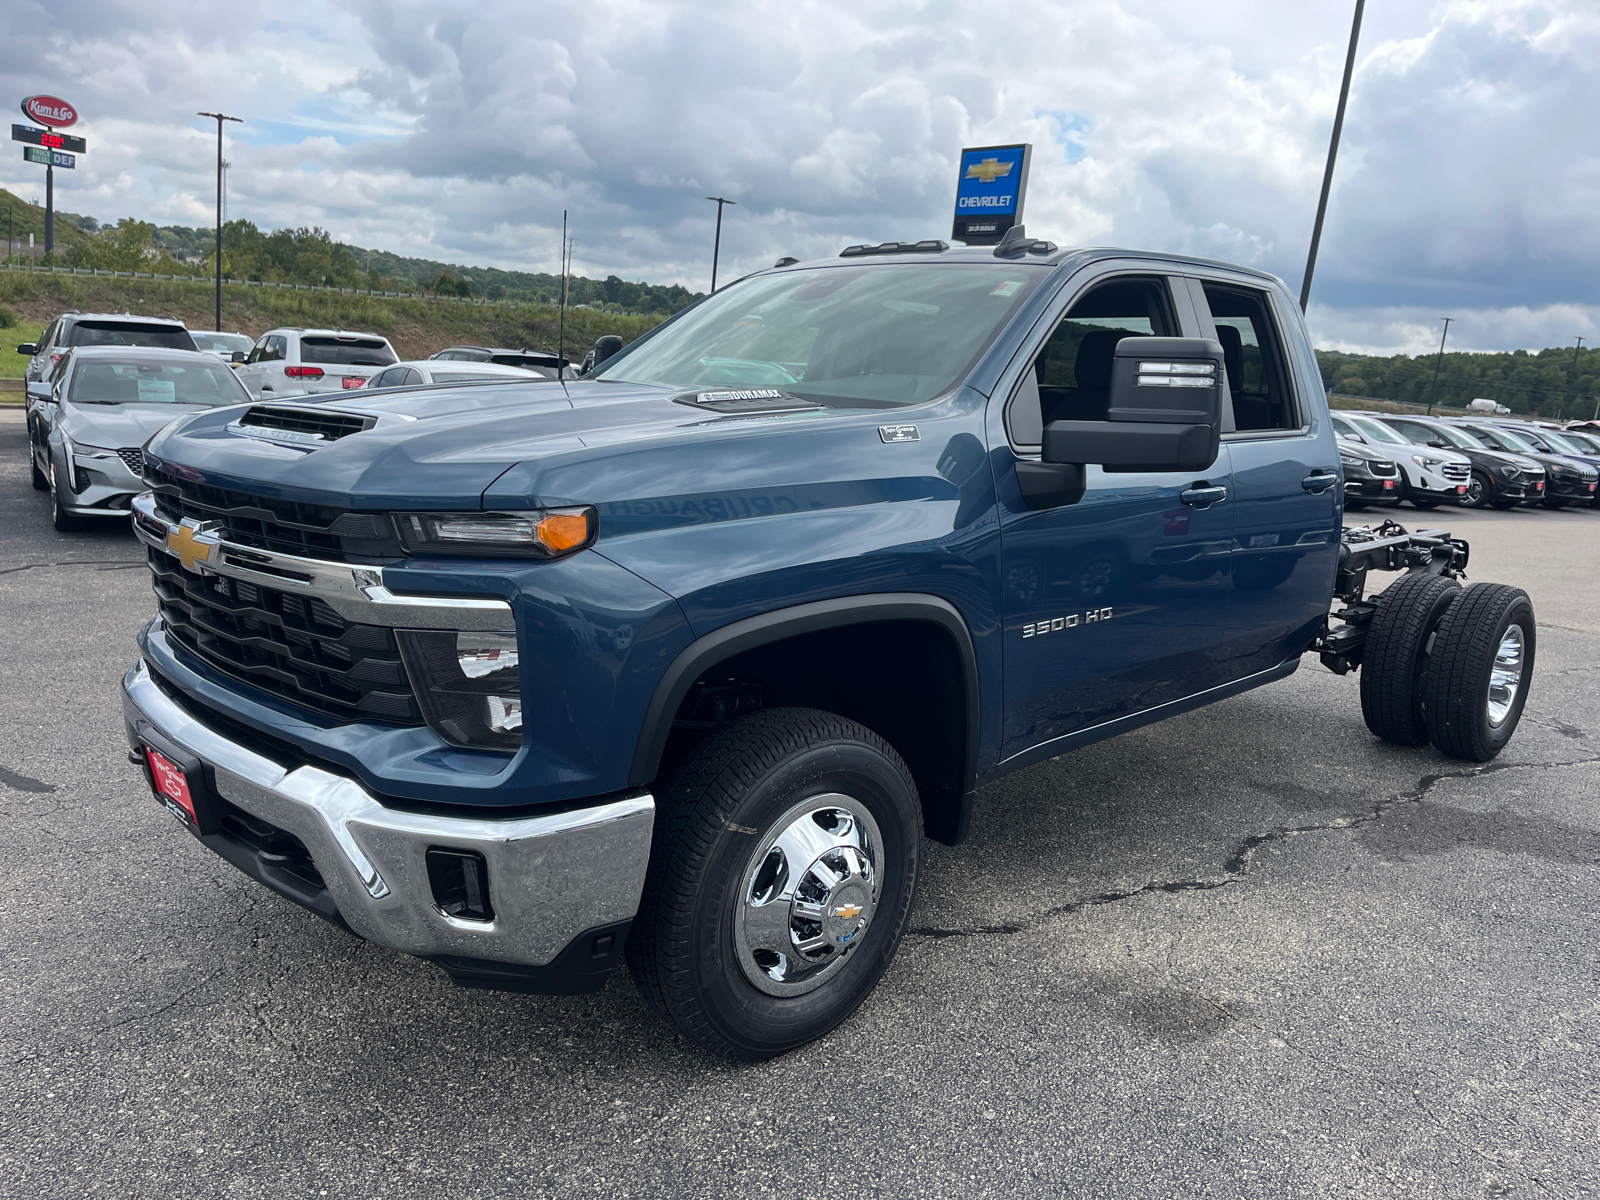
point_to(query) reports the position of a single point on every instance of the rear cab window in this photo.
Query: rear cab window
(1253, 356)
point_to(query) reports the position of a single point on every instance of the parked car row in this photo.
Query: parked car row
(100, 384)
(1482, 461)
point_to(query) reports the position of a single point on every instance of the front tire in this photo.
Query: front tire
(1479, 489)
(1482, 666)
(785, 858)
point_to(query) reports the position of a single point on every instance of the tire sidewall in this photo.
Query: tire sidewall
(748, 1018)
(1484, 493)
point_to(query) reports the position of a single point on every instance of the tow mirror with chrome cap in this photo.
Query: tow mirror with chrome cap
(1163, 413)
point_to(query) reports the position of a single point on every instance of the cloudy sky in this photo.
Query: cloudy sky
(1467, 183)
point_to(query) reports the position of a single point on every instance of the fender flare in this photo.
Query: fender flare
(780, 624)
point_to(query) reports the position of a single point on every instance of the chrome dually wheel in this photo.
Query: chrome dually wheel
(780, 881)
(808, 895)
(1505, 678)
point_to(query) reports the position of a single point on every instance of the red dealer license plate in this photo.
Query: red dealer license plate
(171, 786)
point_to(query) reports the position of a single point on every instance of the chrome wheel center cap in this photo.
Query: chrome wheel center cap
(808, 894)
(847, 911)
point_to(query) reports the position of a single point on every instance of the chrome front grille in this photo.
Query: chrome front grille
(281, 526)
(1382, 470)
(1456, 472)
(292, 646)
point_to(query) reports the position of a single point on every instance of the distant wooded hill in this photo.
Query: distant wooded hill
(311, 256)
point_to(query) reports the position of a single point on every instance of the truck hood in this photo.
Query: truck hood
(498, 445)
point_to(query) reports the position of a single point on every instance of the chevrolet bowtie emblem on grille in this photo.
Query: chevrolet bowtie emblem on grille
(191, 545)
(848, 911)
(989, 169)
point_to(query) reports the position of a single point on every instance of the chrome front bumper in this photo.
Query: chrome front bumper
(551, 877)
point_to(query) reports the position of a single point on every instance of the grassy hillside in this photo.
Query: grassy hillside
(416, 327)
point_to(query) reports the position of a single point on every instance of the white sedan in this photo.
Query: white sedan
(428, 370)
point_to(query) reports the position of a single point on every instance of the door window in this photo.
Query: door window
(1071, 377)
(277, 348)
(257, 352)
(1258, 377)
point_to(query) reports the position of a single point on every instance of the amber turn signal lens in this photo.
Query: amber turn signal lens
(563, 531)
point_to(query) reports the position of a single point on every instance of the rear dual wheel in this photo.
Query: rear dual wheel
(1448, 665)
(785, 856)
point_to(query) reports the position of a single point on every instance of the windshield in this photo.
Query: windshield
(1378, 431)
(1560, 442)
(346, 352)
(874, 336)
(130, 333)
(1507, 440)
(222, 343)
(1458, 437)
(1587, 443)
(156, 383)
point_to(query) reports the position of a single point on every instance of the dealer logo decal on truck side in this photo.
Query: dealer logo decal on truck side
(1070, 621)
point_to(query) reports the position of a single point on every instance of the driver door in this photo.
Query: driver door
(1115, 604)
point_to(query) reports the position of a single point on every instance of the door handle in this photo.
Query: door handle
(1202, 496)
(1319, 481)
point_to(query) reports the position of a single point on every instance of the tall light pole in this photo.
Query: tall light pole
(1439, 362)
(219, 118)
(1570, 371)
(1333, 153)
(716, 246)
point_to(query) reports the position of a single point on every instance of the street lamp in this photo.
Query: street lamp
(716, 246)
(219, 118)
(1333, 153)
(1432, 391)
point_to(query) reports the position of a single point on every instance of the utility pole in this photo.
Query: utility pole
(716, 246)
(561, 321)
(1570, 370)
(219, 118)
(1439, 362)
(1333, 153)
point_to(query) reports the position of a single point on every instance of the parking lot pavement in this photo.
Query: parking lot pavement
(1247, 952)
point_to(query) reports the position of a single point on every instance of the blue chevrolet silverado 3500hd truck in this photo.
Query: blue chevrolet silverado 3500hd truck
(679, 662)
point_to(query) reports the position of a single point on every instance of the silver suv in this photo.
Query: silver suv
(101, 329)
(310, 362)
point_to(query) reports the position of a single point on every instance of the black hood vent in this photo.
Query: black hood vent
(745, 401)
(306, 425)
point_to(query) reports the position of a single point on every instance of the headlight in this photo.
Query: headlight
(538, 533)
(1349, 462)
(468, 684)
(1422, 460)
(1510, 472)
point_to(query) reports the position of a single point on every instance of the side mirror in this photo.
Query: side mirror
(1439, 444)
(238, 356)
(41, 391)
(28, 348)
(605, 347)
(1164, 414)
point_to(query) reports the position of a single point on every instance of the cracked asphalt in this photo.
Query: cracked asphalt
(1249, 952)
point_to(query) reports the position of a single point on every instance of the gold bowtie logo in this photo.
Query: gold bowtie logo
(989, 169)
(848, 911)
(186, 543)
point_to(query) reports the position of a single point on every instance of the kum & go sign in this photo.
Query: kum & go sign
(50, 110)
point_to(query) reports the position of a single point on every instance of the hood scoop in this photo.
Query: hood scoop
(303, 426)
(747, 401)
